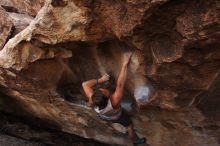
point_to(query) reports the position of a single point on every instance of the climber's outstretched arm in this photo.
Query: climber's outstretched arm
(87, 86)
(117, 95)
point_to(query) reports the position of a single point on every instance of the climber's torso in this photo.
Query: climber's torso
(109, 113)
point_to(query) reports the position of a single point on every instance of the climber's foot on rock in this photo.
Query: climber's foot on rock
(140, 142)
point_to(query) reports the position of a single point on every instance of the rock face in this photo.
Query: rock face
(28, 134)
(172, 89)
(6, 27)
(11, 141)
(29, 7)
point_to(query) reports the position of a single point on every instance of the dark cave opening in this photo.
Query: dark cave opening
(208, 102)
(90, 61)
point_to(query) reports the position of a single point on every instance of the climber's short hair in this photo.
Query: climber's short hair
(99, 99)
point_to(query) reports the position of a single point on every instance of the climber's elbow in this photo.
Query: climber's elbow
(84, 84)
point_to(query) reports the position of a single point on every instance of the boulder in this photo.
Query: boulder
(29, 7)
(172, 83)
(6, 27)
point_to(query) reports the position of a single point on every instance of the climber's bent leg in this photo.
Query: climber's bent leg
(124, 119)
(131, 132)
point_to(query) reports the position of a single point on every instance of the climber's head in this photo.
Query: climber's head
(100, 98)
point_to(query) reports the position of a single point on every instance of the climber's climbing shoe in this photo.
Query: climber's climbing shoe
(140, 141)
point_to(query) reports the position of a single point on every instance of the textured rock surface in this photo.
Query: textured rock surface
(21, 128)
(6, 27)
(30, 7)
(20, 21)
(11, 141)
(176, 56)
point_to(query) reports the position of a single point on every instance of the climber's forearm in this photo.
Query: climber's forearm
(122, 78)
(118, 94)
(87, 86)
(89, 83)
(93, 82)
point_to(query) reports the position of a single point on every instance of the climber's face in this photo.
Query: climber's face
(105, 91)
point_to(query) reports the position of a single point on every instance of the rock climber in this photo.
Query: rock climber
(108, 107)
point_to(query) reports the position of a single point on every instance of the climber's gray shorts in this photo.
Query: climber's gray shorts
(124, 119)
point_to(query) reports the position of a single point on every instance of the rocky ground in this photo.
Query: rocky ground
(12, 141)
